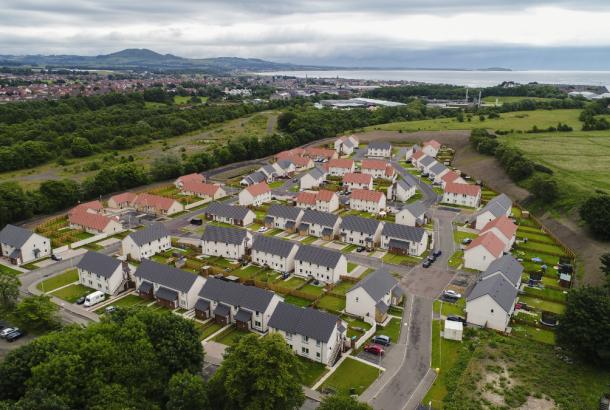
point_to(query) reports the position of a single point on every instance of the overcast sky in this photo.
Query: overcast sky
(409, 33)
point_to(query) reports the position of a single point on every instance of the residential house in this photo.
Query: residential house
(462, 195)
(92, 207)
(401, 190)
(346, 145)
(431, 148)
(368, 201)
(320, 264)
(283, 217)
(495, 208)
(194, 177)
(94, 223)
(122, 201)
(377, 168)
(353, 181)
(147, 242)
(482, 251)
(491, 303)
(340, 166)
(157, 205)
(249, 307)
(274, 253)
(287, 168)
(270, 172)
(379, 149)
(312, 179)
(320, 154)
(298, 152)
(425, 163)
(169, 286)
(311, 333)
(322, 200)
(102, 272)
(255, 195)
(302, 163)
(403, 239)
(371, 298)
(437, 171)
(253, 178)
(321, 224)
(21, 246)
(504, 228)
(410, 151)
(361, 231)
(230, 214)
(208, 192)
(412, 215)
(230, 243)
(451, 177)
(416, 156)
(506, 266)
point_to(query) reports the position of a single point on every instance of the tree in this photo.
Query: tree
(166, 167)
(340, 402)
(584, 327)
(59, 195)
(37, 313)
(258, 373)
(81, 147)
(605, 267)
(9, 289)
(186, 391)
(544, 188)
(595, 211)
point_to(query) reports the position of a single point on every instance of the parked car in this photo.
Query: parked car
(262, 229)
(11, 337)
(382, 340)
(426, 264)
(431, 258)
(6, 331)
(452, 294)
(360, 249)
(110, 309)
(80, 300)
(55, 257)
(196, 221)
(436, 254)
(374, 349)
(454, 318)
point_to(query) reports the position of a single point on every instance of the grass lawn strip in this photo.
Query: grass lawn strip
(294, 300)
(331, 303)
(6, 269)
(208, 329)
(126, 302)
(72, 293)
(57, 281)
(311, 371)
(444, 356)
(351, 374)
(392, 329)
(230, 336)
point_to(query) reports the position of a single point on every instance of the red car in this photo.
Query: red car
(374, 349)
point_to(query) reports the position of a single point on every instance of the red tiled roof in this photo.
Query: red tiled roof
(464, 189)
(128, 197)
(355, 178)
(489, 241)
(290, 153)
(200, 188)
(95, 205)
(155, 201)
(89, 220)
(324, 195)
(299, 161)
(374, 164)
(433, 143)
(367, 195)
(340, 163)
(417, 155)
(191, 178)
(258, 189)
(320, 152)
(450, 176)
(504, 225)
(304, 197)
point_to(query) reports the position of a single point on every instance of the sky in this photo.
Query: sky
(517, 34)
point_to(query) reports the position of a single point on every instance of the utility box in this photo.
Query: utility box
(453, 330)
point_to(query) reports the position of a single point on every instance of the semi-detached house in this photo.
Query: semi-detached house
(311, 333)
(506, 266)
(425, 163)
(339, 167)
(368, 201)
(482, 251)
(255, 195)
(230, 243)
(403, 239)
(431, 148)
(354, 180)
(462, 194)
(361, 231)
(377, 168)
(158, 205)
(21, 246)
(346, 144)
(102, 272)
(379, 149)
(202, 190)
(274, 253)
(412, 214)
(283, 217)
(122, 201)
(322, 200)
(437, 171)
(401, 190)
(230, 214)
(504, 228)
(321, 224)
(495, 208)
(451, 177)
(312, 179)
(320, 264)
(371, 298)
(147, 242)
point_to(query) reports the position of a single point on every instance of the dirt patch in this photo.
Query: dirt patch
(492, 380)
(533, 403)
(454, 139)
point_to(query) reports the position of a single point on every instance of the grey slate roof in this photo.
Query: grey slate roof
(235, 294)
(416, 209)
(498, 205)
(398, 244)
(348, 143)
(377, 284)
(316, 173)
(149, 234)
(359, 224)
(227, 211)
(202, 305)
(308, 322)
(222, 310)
(223, 234)
(284, 164)
(311, 216)
(284, 211)
(255, 178)
(437, 168)
(99, 264)
(243, 315)
(318, 256)
(379, 145)
(382, 306)
(508, 265)
(145, 287)
(273, 246)
(426, 160)
(498, 288)
(404, 184)
(407, 233)
(269, 170)
(14, 236)
(165, 275)
(166, 294)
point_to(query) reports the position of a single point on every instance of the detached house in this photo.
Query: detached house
(320, 154)
(401, 190)
(321, 224)
(230, 243)
(377, 168)
(249, 307)
(437, 171)
(320, 264)
(190, 178)
(451, 177)
(312, 179)
(379, 149)
(462, 194)
(270, 172)
(287, 168)
(431, 148)
(361, 231)
(504, 228)
(322, 200)
(371, 298)
(255, 195)
(346, 145)
(416, 156)
(403, 239)
(169, 286)
(311, 333)
(412, 215)
(230, 214)
(283, 217)
(425, 163)
(253, 178)
(482, 251)
(491, 303)
(275, 253)
(147, 242)
(301, 163)
(122, 201)
(158, 205)
(21, 246)
(410, 151)
(368, 201)
(353, 181)
(340, 167)
(102, 272)
(506, 266)
(94, 223)
(495, 208)
(202, 190)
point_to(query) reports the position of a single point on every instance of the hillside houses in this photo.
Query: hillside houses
(320, 224)
(322, 200)
(157, 205)
(230, 243)
(283, 217)
(495, 208)
(371, 298)
(21, 246)
(312, 179)
(102, 272)
(403, 239)
(379, 149)
(462, 195)
(274, 253)
(340, 167)
(368, 201)
(230, 214)
(320, 264)
(147, 242)
(353, 181)
(482, 251)
(255, 195)
(361, 231)
(377, 168)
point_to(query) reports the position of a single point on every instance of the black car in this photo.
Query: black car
(55, 257)
(431, 258)
(11, 337)
(360, 249)
(436, 254)
(80, 300)
(196, 221)
(426, 263)
(454, 318)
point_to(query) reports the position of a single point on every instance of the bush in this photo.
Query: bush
(596, 213)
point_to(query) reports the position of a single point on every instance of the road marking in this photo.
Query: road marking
(417, 388)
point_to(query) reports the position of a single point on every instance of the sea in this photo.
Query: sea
(460, 77)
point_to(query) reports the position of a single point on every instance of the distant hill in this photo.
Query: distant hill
(144, 59)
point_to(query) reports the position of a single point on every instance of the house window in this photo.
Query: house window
(257, 323)
(318, 355)
(304, 350)
(305, 339)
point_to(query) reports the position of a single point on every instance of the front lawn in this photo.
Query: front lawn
(309, 240)
(401, 259)
(311, 371)
(348, 249)
(449, 308)
(351, 374)
(72, 293)
(351, 266)
(273, 232)
(208, 329)
(57, 281)
(540, 304)
(392, 329)
(230, 336)
(297, 301)
(331, 303)
(126, 302)
(276, 184)
(456, 259)
(6, 269)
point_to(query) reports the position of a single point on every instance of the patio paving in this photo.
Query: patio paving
(108, 241)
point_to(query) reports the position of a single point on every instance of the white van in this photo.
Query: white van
(94, 298)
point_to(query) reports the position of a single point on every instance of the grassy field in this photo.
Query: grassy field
(392, 329)
(63, 279)
(331, 303)
(72, 293)
(126, 302)
(230, 336)
(351, 374)
(510, 99)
